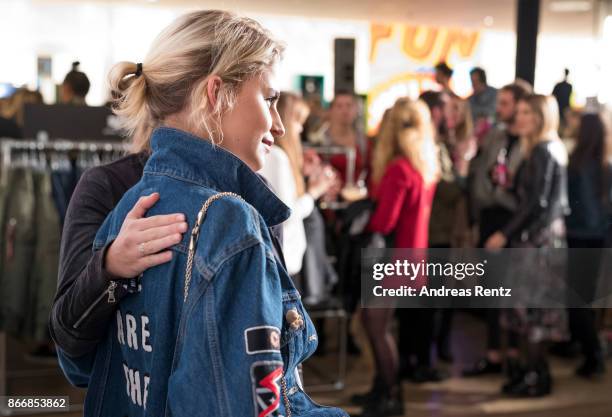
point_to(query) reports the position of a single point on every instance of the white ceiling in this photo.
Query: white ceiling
(457, 13)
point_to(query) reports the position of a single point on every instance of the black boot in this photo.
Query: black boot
(537, 382)
(423, 374)
(514, 375)
(377, 390)
(592, 366)
(385, 404)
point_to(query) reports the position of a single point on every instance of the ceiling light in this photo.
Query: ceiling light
(570, 6)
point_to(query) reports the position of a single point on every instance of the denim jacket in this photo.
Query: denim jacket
(242, 329)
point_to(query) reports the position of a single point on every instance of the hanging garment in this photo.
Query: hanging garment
(64, 181)
(43, 276)
(319, 275)
(18, 248)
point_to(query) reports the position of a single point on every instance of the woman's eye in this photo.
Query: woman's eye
(272, 100)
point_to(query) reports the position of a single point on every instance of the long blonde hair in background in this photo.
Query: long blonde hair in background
(546, 111)
(194, 47)
(407, 132)
(292, 108)
(465, 128)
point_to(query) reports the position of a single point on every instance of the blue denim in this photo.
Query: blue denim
(223, 351)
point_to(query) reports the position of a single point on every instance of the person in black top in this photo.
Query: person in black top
(492, 203)
(563, 92)
(81, 313)
(538, 222)
(75, 86)
(589, 183)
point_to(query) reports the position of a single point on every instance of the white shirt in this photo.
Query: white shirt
(277, 170)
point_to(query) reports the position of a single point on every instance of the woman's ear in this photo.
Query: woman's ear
(213, 86)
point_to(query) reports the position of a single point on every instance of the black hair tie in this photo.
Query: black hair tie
(138, 72)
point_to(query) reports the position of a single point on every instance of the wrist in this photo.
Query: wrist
(106, 268)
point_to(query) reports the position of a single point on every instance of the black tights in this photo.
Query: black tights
(377, 324)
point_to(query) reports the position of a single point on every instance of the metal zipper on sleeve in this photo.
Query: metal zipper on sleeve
(108, 292)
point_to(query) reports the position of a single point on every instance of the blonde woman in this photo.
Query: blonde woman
(405, 172)
(538, 222)
(283, 170)
(226, 339)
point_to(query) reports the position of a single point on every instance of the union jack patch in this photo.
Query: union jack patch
(266, 376)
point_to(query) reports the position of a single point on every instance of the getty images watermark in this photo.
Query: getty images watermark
(477, 278)
(406, 270)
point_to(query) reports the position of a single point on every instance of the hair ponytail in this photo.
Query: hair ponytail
(173, 74)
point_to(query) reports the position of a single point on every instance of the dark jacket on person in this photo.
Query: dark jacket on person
(483, 192)
(542, 192)
(80, 313)
(589, 202)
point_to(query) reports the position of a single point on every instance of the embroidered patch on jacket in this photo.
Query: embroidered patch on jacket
(266, 377)
(262, 339)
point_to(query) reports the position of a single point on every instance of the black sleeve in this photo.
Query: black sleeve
(535, 203)
(81, 312)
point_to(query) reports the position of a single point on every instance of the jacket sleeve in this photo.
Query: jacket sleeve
(390, 199)
(534, 204)
(231, 350)
(82, 279)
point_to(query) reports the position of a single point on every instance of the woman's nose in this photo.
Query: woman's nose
(278, 130)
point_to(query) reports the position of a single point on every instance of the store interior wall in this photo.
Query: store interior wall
(99, 34)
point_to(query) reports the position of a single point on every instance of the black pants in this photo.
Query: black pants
(494, 331)
(416, 331)
(583, 267)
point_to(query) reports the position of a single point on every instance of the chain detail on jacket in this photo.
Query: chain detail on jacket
(195, 233)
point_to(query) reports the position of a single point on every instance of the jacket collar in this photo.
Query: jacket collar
(187, 157)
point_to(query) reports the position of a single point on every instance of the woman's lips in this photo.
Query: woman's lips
(268, 143)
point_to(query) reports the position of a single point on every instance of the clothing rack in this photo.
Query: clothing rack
(7, 148)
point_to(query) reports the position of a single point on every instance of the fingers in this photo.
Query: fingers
(158, 221)
(157, 245)
(157, 259)
(143, 204)
(159, 232)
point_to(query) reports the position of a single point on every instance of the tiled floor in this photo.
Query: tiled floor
(455, 397)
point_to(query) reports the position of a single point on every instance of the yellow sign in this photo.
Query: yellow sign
(402, 58)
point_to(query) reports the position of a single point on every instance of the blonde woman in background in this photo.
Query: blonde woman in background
(13, 111)
(284, 172)
(405, 172)
(538, 223)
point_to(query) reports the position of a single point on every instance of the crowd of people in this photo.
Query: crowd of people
(488, 171)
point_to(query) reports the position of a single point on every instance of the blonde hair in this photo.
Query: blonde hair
(191, 49)
(14, 106)
(407, 131)
(465, 128)
(546, 110)
(292, 107)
